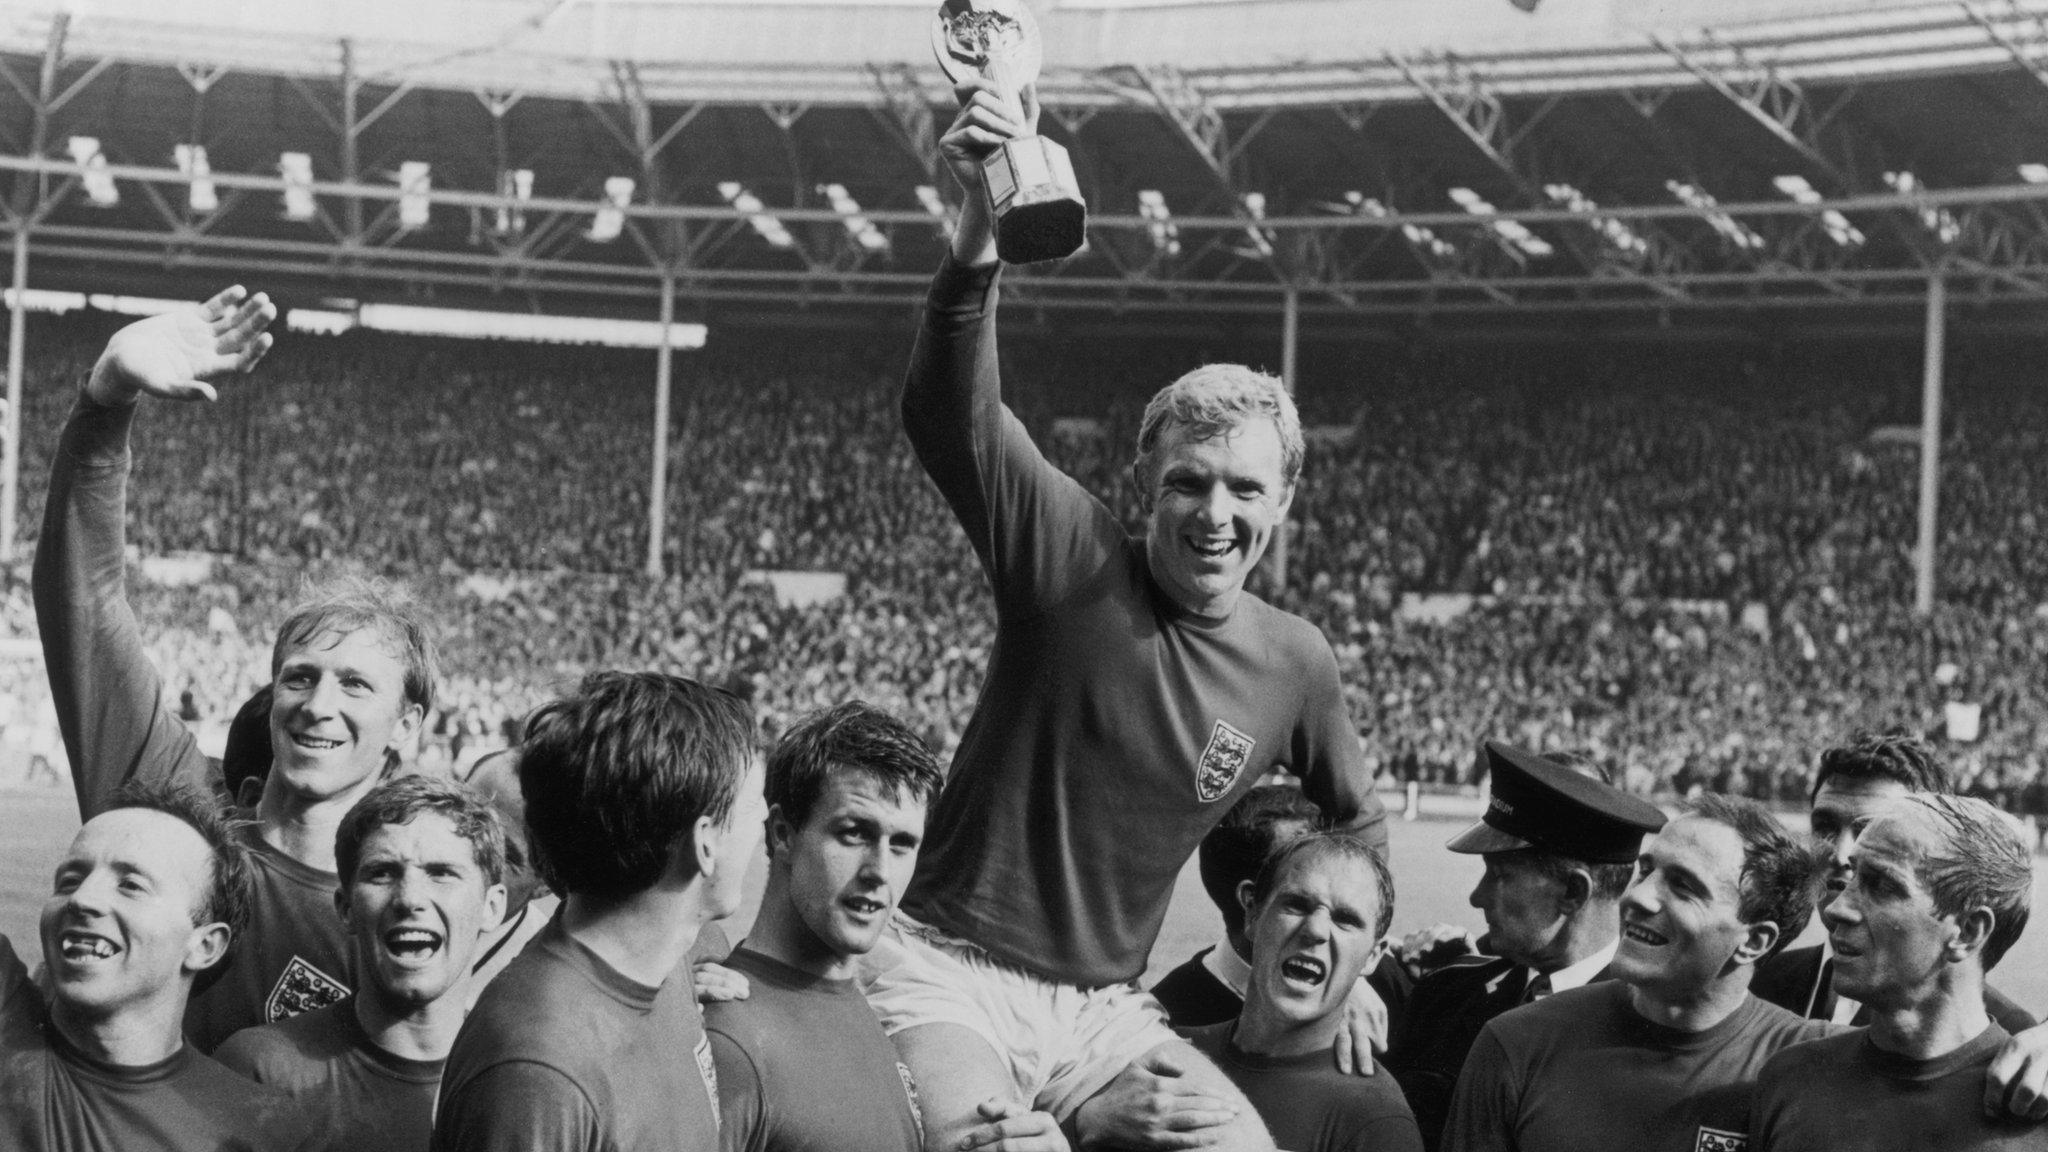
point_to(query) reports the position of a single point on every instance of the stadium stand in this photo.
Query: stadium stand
(1703, 583)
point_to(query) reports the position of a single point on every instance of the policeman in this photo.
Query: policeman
(1560, 847)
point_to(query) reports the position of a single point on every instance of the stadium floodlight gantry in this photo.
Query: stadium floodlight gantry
(1319, 162)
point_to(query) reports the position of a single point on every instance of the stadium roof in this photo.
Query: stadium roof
(1368, 157)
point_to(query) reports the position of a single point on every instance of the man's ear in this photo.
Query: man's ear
(206, 947)
(1139, 484)
(781, 833)
(705, 837)
(341, 902)
(1973, 932)
(408, 726)
(1246, 901)
(1578, 890)
(494, 907)
(1757, 942)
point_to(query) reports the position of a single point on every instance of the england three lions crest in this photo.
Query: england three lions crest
(301, 988)
(1720, 1140)
(1222, 762)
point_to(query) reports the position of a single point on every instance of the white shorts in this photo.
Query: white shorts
(1061, 1044)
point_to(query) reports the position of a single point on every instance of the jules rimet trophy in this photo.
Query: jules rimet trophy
(1032, 193)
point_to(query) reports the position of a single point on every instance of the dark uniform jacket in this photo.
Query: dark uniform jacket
(1435, 1030)
(1800, 981)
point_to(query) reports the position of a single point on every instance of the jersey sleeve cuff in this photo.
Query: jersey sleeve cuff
(961, 290)
(98, 433)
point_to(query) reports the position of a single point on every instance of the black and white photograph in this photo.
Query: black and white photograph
(1023, 575)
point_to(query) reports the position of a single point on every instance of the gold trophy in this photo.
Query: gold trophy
(1032, 194)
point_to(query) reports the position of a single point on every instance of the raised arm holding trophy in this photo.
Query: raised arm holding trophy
(1028, 182)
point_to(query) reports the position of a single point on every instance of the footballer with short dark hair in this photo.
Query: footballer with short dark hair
(803, 1064)
(1666, 1054)
(643, 804)
(422, 864)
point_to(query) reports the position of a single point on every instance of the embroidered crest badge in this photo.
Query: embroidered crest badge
(1222, 762)
(301, 988)
(709, 1071)
(910, 1091)
(1717, 1140)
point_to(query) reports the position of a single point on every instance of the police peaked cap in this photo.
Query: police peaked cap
(1538, 803)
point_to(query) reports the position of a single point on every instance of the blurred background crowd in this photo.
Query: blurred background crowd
(1697, 566)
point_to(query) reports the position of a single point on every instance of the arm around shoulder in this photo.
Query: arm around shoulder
(1487, 1100)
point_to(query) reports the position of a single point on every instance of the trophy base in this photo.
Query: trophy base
(1050, 229)
(1036, 202)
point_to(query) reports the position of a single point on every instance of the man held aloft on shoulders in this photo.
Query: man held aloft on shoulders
(1051, 856)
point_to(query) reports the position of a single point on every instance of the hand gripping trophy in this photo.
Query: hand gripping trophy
(1032, 194)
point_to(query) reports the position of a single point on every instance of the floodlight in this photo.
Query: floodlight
(414, 183)
(1525, 241)
(191, 160)
(517, 185)
(766, 226)
(611, 219)
(858, 226)
(1262, 239)
(1734, 231)
(1617, 234)
(928, 196)
(1165, 233)
(297, 169)
(1837, 225)
(1359, 204)
(92, 165)
(2034, 173)
(1939, 221)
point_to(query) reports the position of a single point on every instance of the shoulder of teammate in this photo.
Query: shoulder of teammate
(1782, 1029)
(247, 1053)
(1388, 1132)
(515, 1105)
(1208, 1039)
(283, 1052)
(741, 1092)
(1791, 1067)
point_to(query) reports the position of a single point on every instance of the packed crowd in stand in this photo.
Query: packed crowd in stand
(302, 947)
(1610, 515)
